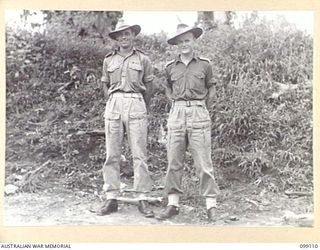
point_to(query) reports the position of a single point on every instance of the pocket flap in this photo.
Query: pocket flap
(135, 66)
(201, 124)
(174, 125)
(112, 116)
(138, 115)
(175, 77)
(200, 75)
(113, 68)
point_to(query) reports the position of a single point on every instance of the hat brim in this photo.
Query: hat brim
(197, 32)
(135, 28)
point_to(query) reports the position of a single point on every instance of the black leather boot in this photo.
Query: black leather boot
(168, 212)
(211, 213)
(144, 208)
(109, 207)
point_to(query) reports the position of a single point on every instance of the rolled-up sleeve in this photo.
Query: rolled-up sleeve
(105, 75)
(148, 70)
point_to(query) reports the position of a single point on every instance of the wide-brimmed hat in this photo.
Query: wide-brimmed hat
(182, 29)
(121, 25)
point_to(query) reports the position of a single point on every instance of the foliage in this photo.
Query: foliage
(70, 38)
(260, 127)
(262, 119)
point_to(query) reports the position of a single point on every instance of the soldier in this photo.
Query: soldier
(126, 77)
(191, 89)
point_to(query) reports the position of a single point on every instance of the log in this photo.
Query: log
(135, 201)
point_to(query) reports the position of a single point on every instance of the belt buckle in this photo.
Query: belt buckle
(188, 104)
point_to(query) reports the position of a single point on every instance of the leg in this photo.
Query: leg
(137, 138)
(176, 148)
(111, 168)
(113, 139)
(200, 145)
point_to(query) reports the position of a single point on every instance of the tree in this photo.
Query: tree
(81, 24)
(210, 19)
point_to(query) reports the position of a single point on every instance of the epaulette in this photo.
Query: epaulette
(141, 51)
(168, 63)
(204, 59)
(109, 54)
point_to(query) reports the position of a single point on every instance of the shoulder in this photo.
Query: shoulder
(204, 59)
(108, 56)
(141, 51)
(143, 56)
(169, 63)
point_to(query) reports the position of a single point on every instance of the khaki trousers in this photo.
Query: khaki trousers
(189, 124)
(126, 112)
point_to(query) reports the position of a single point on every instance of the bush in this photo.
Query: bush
(255, 122)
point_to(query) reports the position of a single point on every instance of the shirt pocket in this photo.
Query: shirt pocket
(135, 71)
(197, 81)
(177, 84)
(176, 76)
(114, 74)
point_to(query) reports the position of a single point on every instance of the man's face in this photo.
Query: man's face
(125, 38)
(186, 43)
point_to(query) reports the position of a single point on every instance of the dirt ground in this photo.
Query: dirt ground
(241, 205)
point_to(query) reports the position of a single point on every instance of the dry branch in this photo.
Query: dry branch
(252, 202)
(296, 193)
(64, 86)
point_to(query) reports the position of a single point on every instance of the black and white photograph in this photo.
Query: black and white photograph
(165, 118)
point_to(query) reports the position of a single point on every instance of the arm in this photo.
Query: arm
(105, 90)
(105, 80)
(212, 97)
(168, 85)
(168, 89)
(147, 95)
(211, 85)
(148, 78)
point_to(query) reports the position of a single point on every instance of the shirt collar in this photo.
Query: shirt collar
(178, 58)
(116, 51)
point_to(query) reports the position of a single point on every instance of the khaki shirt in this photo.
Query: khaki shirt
(127, 74)
(189, 82)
